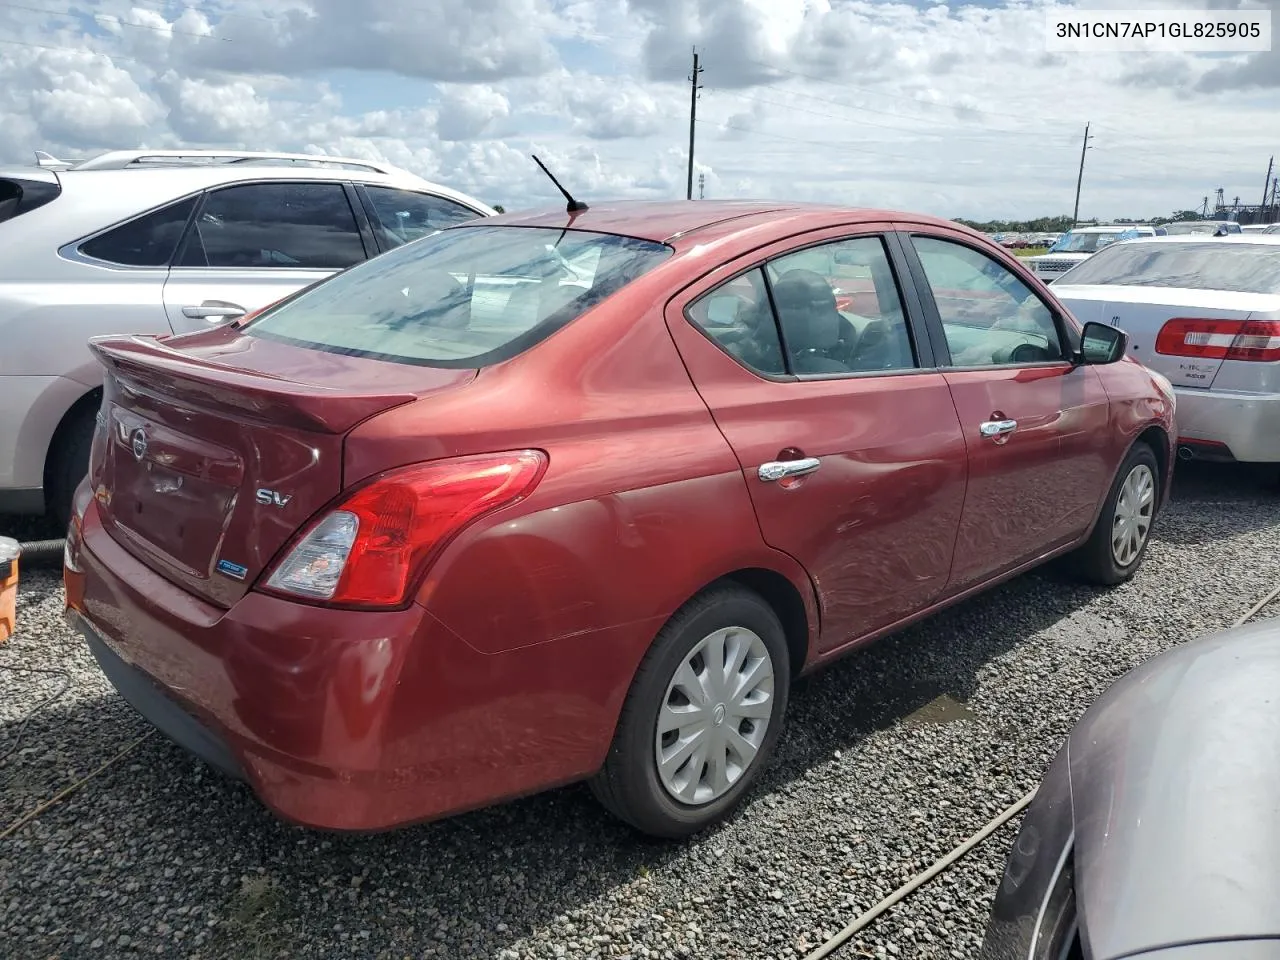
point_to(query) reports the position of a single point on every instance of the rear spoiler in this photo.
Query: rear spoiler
(148, 366)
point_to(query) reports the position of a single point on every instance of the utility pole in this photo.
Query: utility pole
(1265, 182)
(693, 118)
(1075, 217)
(702, 184)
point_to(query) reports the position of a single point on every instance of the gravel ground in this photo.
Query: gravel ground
(891, 758)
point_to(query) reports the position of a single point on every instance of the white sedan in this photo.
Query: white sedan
(1205, 312)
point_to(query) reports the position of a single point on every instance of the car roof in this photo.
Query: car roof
(181, 179)
(1111, 228)
(665, 221)
(1247, 239)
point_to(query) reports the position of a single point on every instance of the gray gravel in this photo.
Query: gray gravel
(891, 758)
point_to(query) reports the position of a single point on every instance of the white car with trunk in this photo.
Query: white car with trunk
(1204, 312)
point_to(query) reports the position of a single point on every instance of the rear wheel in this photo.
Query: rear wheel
(68, 463)
(701, 718)
(1115, 550)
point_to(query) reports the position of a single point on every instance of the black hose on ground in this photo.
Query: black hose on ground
(42, 552)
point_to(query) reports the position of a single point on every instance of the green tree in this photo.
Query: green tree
(1038, 225)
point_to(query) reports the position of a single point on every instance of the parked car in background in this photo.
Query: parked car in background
(1205, 312)
(574, 496)
(1153, 833)
(1079, 245)
(1260, 228)
(160, 242)
(1213, 228)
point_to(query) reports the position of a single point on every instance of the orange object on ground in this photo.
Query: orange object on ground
(9, 553)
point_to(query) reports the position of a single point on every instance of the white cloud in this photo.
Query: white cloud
(204, 112)
(470, 112)
(956, 110)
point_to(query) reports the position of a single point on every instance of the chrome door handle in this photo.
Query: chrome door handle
(778, 469)
(995, 428)
(214, 310)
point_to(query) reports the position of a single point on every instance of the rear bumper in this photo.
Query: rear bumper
(1246, 424)
(342, 720)
(163, 712)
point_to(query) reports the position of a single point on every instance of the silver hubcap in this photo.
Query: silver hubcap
(714, 716)
(1134, 508)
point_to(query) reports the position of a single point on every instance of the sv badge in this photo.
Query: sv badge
(271, 498)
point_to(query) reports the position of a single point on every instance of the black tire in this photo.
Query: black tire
(1095, 562)
(629, 785)
(68, 463)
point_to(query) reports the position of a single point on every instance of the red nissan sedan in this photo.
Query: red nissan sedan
(576, 495)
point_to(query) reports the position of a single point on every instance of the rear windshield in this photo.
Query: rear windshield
(1087, 242)
(464, 297)
(1206, 265)
(1206, 227)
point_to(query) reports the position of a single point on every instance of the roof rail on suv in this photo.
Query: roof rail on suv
(123, 159)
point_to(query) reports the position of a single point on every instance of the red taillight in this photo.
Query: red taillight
(1257, 340)
(370, 549)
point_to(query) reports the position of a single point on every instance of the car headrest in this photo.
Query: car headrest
(807, 308)
(446, 299)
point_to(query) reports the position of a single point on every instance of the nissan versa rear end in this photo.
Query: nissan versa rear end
(574, 497)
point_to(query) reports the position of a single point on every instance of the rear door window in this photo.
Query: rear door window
(148, 241)
(281, 225)
(402, 216)
(825, 310)
(738, 317)
(839, 309)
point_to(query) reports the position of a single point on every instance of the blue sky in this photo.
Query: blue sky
(950, 109)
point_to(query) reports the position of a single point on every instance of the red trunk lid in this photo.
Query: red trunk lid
(214, 448)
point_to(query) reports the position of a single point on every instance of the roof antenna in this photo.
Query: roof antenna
(574, 205)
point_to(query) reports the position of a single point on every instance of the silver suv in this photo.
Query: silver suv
(161, 242)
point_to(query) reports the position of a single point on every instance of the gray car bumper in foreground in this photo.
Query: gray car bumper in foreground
(1217, 950)
(1155, 827)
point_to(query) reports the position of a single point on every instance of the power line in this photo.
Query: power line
(1131, 160)
(843, 146)
(888, 113)
(112, 18)
(1022, 117)
(164, 6)
(894, 96)
(61, 47)
(868, 123)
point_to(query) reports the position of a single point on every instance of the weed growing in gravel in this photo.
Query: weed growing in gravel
(254, 922)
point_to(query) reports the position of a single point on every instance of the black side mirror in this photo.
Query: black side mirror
(1102, 343)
